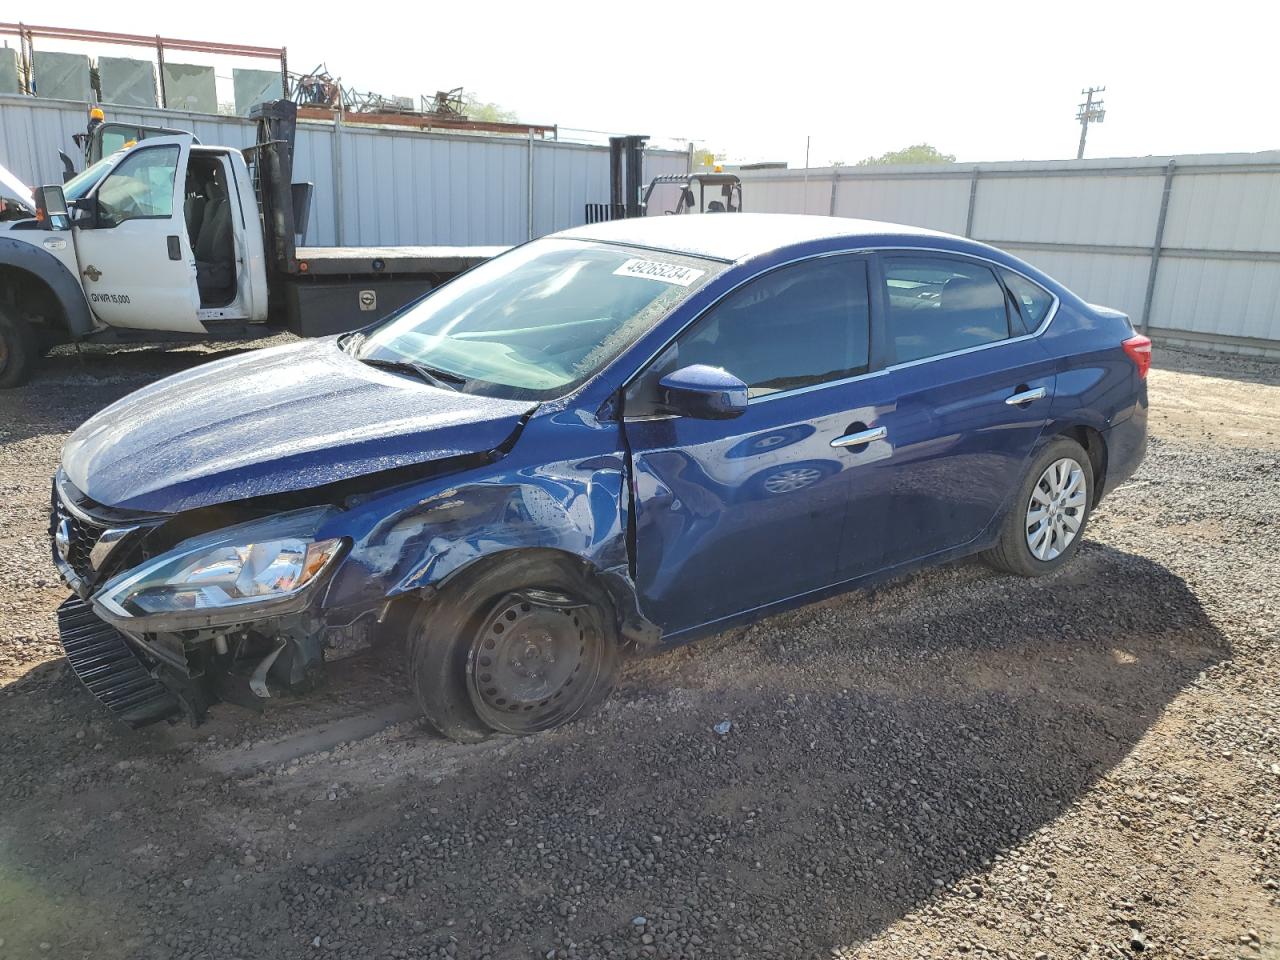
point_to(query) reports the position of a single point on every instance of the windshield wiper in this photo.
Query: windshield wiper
(437, 378)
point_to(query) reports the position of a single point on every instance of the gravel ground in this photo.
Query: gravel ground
(958, 764)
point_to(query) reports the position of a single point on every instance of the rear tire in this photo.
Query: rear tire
(1047, 519)
(17, 351)
(521, 647)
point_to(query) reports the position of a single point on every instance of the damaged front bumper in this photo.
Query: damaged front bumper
(149, 668)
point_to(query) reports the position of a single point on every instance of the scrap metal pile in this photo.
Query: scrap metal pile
(319, 90)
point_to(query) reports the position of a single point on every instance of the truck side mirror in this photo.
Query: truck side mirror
(51, 202)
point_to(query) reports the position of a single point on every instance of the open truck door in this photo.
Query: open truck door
(136, 262)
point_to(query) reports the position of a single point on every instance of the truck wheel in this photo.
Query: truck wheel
(518, 648)
(1047, 519)
(17, 351)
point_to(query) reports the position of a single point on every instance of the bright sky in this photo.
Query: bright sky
(985, 81)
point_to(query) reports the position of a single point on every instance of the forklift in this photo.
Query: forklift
(715, 192)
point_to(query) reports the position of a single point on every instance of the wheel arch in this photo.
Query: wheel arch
(22, 263)
(614, 583)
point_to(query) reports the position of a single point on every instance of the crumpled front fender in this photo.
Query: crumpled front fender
(417, 537)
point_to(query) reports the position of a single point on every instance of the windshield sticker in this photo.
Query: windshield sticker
(656, 270)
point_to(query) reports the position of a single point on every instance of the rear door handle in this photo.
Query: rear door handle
(1025, 396)
(175, 247)
(860, 438)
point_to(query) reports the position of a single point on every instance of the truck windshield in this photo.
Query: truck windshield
(87, 179)
(538, 321)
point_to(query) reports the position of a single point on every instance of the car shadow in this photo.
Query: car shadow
(887, 744)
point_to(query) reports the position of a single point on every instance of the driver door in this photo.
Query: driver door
(136, 262)
(734, 515)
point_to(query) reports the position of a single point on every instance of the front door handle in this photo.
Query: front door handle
(1025, 396)
(860, 438)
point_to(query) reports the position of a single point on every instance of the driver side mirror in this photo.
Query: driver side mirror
(703, 393)
(50, 203)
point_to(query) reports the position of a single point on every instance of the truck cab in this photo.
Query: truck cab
(166, 237)
(693, 193)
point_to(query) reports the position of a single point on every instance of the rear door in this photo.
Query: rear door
(972, 395)
(731, 515)
(136, 262)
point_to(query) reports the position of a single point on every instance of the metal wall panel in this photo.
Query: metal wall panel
(788, 192)
(1093, 225)
(373, 187)
(1235, 297)
(1227, 211)
(127, 81)
(1115, 281)
(313, 163)
(939, 204)
(1110, 210)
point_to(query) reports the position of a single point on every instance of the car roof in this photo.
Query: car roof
(740, 236)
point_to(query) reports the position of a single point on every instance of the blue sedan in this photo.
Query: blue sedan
(625, 435)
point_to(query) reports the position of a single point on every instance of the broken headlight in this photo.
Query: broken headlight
(207, 580)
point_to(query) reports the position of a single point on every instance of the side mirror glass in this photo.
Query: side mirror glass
(51, 203)
(703, 393)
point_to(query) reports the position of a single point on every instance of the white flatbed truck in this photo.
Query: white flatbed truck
(170, 240)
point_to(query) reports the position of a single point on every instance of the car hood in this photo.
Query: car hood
(11, 186)
(274, 420)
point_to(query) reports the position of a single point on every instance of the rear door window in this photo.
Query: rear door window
(938, 305)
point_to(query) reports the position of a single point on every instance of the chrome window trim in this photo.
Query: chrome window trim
(856, 251)
(825, 384)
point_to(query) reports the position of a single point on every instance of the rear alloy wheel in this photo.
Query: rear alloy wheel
(1056, 508)
(1046, 522)
(516, 648)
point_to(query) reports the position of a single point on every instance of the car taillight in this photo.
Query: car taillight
(1139, 350)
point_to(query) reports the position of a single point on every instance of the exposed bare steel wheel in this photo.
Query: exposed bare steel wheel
(534, 661)
(516, 645)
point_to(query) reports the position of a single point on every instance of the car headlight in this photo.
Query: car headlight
(209, 579)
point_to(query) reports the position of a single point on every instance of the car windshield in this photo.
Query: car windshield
(85, 180)
(538, 321)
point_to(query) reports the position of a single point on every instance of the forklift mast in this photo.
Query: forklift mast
(270, 162)
(626, 173)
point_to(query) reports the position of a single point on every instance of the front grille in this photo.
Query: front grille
(81, 535)
(92, 542)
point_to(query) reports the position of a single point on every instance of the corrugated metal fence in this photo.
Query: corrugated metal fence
(1188, 246)
(374, 187)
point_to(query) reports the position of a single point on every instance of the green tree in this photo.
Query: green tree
(477, 109)
(919, 153)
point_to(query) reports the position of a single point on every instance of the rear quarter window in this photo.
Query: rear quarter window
(1032, 301)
